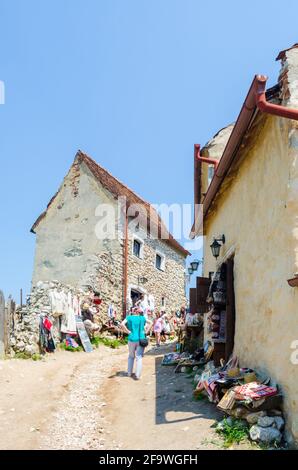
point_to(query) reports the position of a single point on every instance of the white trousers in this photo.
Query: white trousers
(135, 351)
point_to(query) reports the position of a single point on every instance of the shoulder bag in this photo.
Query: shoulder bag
(143, 342)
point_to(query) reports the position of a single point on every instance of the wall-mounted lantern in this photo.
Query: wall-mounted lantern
(195, 264)
(215, 246)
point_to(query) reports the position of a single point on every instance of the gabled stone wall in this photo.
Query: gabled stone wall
(68, 250)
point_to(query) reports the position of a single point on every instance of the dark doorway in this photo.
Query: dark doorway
(220, 309)
(224, 308)
(135, 296)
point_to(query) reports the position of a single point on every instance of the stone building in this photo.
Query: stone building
(97, 232)
(252, 199)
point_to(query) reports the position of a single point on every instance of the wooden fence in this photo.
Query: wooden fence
(7, 322)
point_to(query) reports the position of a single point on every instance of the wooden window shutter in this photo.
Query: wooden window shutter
(203, 284)
(193, 300)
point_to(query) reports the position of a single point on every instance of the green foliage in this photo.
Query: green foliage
(235, 432)
(95, 341)
(21, 355)
(199, 397)
(109, 342)
(36, 357)
(69, 348)
(24, 355)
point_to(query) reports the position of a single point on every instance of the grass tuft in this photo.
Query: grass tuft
(235, 432)
(199, 396)
(69, 348)
(24, 355)
(110, 343)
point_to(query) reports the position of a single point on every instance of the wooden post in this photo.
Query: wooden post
(2, 323)
(202, 285)
(193, 300)
(9, 323)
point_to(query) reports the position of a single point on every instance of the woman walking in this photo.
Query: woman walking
(134, 326)
(158, 327)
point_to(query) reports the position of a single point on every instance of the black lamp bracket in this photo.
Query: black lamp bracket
(221, 239)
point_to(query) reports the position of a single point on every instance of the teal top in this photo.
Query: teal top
(136, 324)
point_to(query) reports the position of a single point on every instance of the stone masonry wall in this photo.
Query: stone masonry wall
(169, 283)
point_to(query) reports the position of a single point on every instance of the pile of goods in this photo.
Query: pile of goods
(71, 343)
(171, 359)
(248, 398)
(187, 359)
(246, 395)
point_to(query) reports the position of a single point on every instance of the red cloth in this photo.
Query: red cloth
(255, 391)
(97, 301)
(47, 324)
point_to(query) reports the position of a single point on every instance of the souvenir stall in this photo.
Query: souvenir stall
(58, 314)
(221, 314)
(71, 318)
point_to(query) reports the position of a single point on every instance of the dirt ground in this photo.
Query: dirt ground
(84, 401)
(158, 412)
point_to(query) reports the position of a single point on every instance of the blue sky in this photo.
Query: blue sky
(134, 83)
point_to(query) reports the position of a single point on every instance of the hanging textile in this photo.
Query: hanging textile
(76, 305)
(71, 327)
(58, 302)
(45, 335)
(151, 302)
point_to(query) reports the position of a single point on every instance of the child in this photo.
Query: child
(158, 326)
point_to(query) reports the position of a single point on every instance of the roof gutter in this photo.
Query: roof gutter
(197, 181)
(271, 108)
(210, 161)
(125, 265)
(255, 99)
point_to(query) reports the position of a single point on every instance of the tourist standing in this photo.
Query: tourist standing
(134, 325)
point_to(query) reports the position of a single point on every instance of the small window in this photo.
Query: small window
(163, 302)
(160, 262)
(210, 173)
(137, 248)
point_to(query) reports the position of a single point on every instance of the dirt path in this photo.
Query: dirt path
(84, 401)
(158, 411)
(54, 403)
